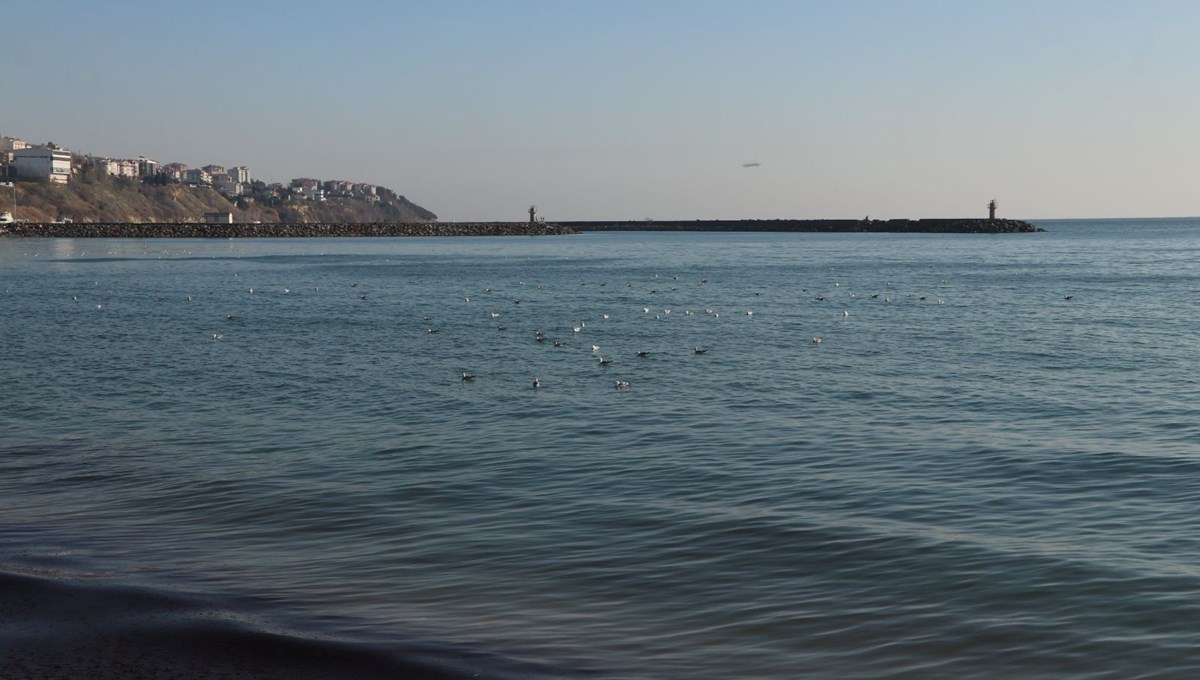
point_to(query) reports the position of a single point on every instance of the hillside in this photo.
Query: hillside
(111, 199)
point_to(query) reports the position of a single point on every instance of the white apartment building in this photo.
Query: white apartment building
(117, 168)
(146, 166)
(240, 174)
(198, 176)
(225, 184)
(40, 163)
(10, 144)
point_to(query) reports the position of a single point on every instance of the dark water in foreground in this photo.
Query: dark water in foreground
(970, 475)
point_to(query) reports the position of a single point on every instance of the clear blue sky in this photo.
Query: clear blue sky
(640, 108)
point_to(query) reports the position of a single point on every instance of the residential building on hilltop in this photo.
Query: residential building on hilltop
(146, 167)
(176, 171)
(7, 146)
(240, 174)
(116, 168)
(12, 144)
(42, 163)
(197, 176)
(225, 184)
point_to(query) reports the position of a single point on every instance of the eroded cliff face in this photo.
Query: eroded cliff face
(128, 201)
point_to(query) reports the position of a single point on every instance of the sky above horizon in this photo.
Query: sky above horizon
(634, 109)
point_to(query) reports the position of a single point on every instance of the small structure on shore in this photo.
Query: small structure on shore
(992, 210)
(218, 218)
(533, 214)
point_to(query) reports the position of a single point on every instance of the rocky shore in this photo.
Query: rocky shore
(931, 226)
(278, 230)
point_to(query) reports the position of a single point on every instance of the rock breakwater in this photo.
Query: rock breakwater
(278, 230)
(931, 226)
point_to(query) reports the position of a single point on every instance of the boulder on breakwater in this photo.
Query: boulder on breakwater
(277, 230)
(930, 226)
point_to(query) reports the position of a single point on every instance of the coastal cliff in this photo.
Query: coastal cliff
(111, 200)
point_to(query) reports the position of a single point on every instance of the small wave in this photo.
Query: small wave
(51, 627)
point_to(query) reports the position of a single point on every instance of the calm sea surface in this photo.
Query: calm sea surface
(988, 467)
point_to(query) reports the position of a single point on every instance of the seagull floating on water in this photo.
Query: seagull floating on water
(536, 383)
(701, 350)
(622, 384)
(467, 377)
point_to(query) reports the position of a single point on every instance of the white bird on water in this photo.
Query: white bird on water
(622, 384)
(536, 383)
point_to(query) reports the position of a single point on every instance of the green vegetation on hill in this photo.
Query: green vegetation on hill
(91, 198)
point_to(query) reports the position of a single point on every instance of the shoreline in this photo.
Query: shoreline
(56, 626)
(412, 229)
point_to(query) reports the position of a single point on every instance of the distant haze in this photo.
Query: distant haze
(666, 109)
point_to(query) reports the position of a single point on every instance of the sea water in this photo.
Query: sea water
(988, 466)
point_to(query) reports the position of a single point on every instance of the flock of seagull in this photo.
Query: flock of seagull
(579, 329)
(657, 314)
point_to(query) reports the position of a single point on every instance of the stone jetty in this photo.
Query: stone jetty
(929, 226)
(278, 230)
(311, 230)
